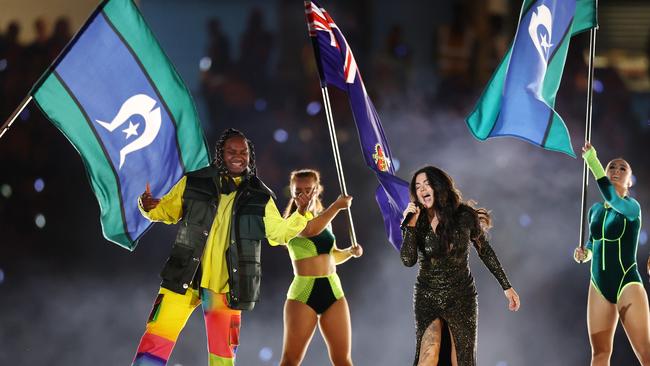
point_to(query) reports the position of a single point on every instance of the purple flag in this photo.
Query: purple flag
(337, 67)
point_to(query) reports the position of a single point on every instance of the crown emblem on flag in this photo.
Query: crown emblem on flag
(380, 159)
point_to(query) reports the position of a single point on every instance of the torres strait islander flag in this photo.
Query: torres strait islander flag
(519, 100)
(114, 94)
(337, 67)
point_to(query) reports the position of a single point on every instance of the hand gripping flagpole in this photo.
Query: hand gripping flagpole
(324, 23)
(5, 126)
(590, 99)
(337, 157)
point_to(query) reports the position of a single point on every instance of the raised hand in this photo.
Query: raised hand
(343, 202)
(303, 201)
(586, 147)
(148, 201)
(413, 209)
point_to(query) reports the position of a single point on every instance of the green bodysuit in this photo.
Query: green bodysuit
(614, 227)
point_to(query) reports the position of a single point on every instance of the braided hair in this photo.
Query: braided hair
(218, 152)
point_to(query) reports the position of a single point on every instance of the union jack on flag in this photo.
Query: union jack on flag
(337, 67)
(319, 20)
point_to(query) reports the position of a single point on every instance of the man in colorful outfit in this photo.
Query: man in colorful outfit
(224, 212)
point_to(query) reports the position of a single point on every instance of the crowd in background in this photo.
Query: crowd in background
(30, 150)
(424, 77)
(267, 94)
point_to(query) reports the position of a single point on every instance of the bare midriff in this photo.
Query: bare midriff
(320, 265)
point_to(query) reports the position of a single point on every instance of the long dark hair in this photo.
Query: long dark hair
(449, 207)
(218, 152)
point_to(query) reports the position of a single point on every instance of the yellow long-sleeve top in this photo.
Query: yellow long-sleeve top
(215, 271)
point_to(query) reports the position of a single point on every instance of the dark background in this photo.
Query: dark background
(69, 297)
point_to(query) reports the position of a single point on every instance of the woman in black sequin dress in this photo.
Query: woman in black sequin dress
(437, 233)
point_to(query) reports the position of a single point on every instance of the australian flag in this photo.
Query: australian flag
(337, 67)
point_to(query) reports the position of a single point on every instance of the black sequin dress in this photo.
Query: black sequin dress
(445, 287)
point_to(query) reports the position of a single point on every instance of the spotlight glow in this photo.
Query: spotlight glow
(599, 87)
(5, 190)
(525, 220)
(39, 220)
(39, 185)
(205, 63)
(281, 136)
(266, 354)
(643, 237)
(313, 108)
(261, 104)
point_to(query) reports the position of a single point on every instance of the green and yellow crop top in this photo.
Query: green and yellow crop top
(301, 248)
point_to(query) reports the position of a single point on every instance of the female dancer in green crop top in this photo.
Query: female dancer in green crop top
(616, 287)
(315, 295)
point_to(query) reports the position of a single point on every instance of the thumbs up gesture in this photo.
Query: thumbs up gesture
(148, 201)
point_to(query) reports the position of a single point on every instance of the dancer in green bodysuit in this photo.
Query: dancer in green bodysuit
(616, 287)
(315, 297)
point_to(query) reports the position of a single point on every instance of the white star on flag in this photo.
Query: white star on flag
(132, 130)
(545, 43)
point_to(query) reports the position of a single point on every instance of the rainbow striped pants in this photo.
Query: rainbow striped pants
(168, 317)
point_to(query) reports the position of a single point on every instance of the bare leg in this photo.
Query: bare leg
(337, 332)
(430, 345)
(299, 325)
(601, 324)
(633, 310)
(454, 359)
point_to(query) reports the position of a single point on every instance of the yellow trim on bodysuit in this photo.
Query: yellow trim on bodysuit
(618, 296)
(620, 290)
(605, 240)
(620, 259)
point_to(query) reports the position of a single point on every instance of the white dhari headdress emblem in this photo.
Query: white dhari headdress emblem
(542, 40)
(142, 105)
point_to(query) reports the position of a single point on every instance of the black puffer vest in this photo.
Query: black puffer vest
(200, 202)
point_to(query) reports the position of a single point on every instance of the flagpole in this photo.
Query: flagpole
(5, 127)
(590, 99)
(337, 157)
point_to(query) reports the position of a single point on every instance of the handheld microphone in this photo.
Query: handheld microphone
(407, 219)
(409, 216)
